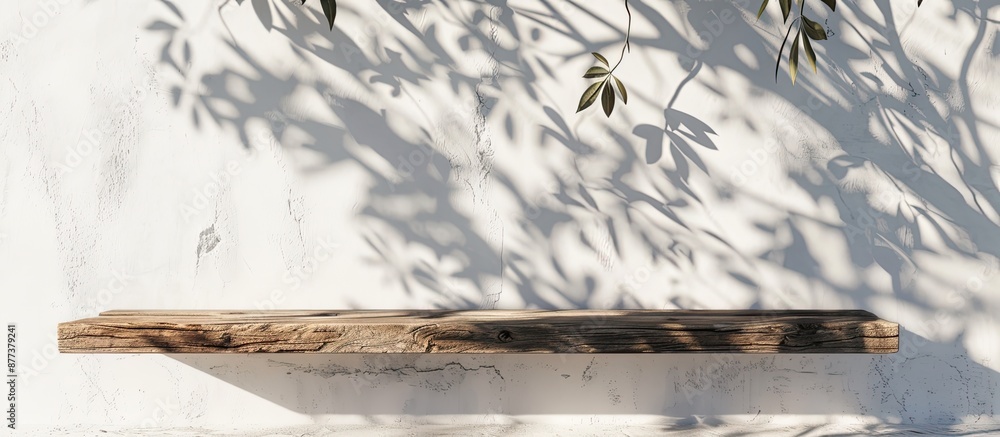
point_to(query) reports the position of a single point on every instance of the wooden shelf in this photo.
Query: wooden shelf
(481, 331)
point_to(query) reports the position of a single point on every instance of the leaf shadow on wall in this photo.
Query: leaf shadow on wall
(682, 389)
(628, 205)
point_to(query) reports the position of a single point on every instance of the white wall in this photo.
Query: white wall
(427, 155)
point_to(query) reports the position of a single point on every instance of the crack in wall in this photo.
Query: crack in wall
(437, 378)
(337, 370)
(485, 153)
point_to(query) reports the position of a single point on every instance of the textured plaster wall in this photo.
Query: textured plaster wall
(206, 154)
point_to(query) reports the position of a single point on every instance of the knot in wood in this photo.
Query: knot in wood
(505, 336)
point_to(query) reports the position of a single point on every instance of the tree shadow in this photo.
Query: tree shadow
(684, 389)
(858, 184)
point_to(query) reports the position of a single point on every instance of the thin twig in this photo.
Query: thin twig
(628, 33)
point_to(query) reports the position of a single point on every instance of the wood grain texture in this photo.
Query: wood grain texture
(481, 331)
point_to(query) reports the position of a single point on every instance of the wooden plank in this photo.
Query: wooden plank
(481, 331)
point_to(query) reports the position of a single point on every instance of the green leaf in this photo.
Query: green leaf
(621, 89)
(329, 10)
(813, 29)
(793, 59)
(831, 3)
(589, 96)
(608, 98)
(777, 64)
(596, 72)
(761, 11)
(810, 54)
(601, 58)
(786, 8)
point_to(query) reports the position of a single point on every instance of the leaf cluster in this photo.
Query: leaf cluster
(602, 87)
(808, 30)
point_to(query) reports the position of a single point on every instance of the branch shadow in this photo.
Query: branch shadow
(847, 138)
(684, 389)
